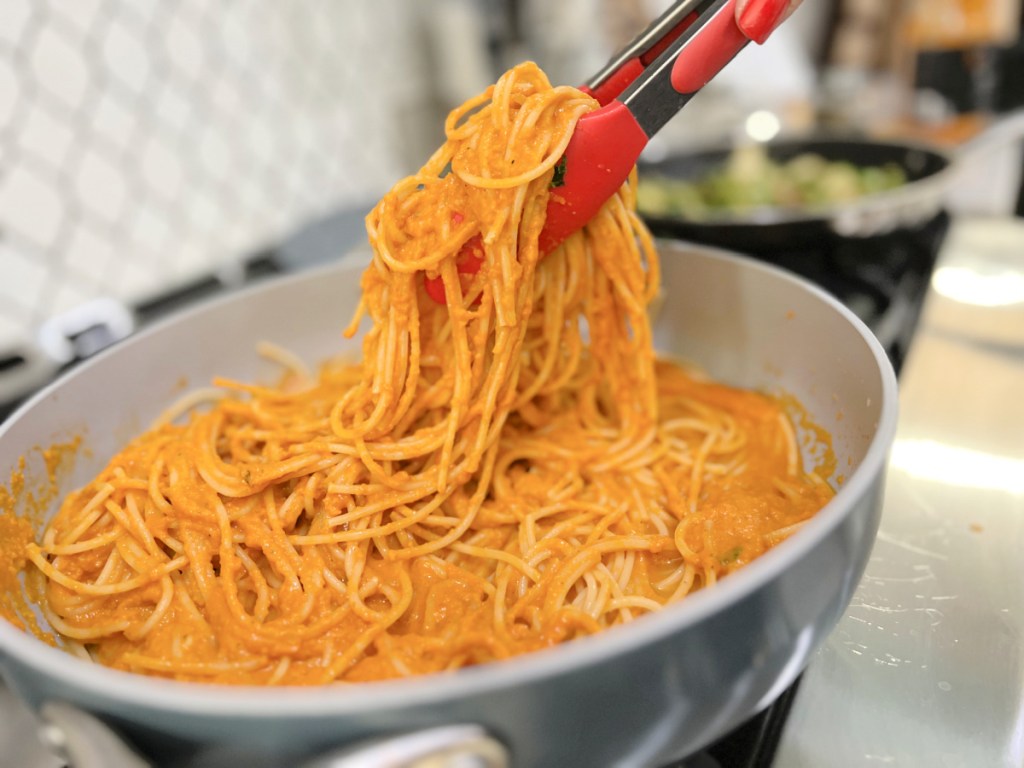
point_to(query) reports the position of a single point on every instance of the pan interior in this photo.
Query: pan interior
(745, 323)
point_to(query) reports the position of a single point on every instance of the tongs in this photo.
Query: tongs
(639, 90)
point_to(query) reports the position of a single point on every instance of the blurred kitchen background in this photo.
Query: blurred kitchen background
(155, 152)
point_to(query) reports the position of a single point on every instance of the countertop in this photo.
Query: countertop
(927, 665)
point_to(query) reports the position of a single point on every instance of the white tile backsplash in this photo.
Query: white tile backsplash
(112, 121)
(101, 186)
(59, 67)
(44, 136)
(144, 143)
(24, 280)
(31, 204)
(125, 56)
(15, 16)
(87, 255)
(9, 88)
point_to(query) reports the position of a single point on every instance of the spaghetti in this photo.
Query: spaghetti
(501, 474)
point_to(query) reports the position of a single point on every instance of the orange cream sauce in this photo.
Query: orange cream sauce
(449, 621)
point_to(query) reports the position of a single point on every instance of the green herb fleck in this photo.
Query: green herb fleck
(558, 180)
(731, 556)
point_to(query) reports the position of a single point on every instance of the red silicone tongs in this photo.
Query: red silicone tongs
(639, 90)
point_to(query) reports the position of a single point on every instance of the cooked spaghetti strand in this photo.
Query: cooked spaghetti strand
(499, 474)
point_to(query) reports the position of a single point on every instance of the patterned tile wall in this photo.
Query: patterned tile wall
(144, 143)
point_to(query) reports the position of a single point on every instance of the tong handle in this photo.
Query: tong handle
(629, 63)
(664, 67)
(686, 65)
(608, 141)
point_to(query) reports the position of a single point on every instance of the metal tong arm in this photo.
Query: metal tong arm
(664, 67)
(686, 65)
(630, 62)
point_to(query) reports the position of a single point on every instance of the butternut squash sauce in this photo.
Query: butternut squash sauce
(501, 474)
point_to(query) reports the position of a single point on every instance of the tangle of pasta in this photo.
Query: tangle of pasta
(500, 474)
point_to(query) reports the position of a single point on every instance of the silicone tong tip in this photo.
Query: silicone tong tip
(607, 142)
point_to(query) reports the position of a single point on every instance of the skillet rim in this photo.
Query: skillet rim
(258, 703)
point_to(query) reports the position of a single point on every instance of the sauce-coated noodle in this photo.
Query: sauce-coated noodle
(499, 475)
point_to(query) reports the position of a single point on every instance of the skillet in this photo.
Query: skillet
(641, 695)
(769, 231)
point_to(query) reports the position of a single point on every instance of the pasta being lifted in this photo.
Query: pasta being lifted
(501, 473)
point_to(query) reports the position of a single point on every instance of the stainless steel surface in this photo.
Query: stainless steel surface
(640, 695)
(927, 665)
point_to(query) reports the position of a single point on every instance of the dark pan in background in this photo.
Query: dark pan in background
(905, 210)
(763, 231)
(876, 254)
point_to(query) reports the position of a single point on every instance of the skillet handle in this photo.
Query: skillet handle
(454, 746)
(83, 740)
